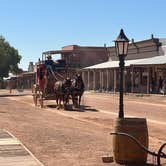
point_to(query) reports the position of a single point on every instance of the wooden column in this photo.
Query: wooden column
(101, 80)
(139, 85)
(83, 75)
(85, 78)
(94, 80)
(132, 79)
(115, 80)
(148, 80)
(88, 79)
(108, 79)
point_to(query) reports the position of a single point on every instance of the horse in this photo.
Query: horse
(62, 90)
(77, 90)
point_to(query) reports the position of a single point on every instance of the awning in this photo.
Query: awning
(57, 52)
(157, 60)
(146, 61)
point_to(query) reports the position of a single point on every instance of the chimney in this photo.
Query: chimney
(105, 45)
(132, 40)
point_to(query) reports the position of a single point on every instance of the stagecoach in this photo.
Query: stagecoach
(48, 72)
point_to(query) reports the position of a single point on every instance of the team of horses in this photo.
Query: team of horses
(52, 84)
(69, 89)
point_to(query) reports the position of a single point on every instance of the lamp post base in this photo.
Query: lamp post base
(125, 150)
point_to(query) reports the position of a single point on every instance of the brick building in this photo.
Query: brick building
(84, 56)
(80, 57)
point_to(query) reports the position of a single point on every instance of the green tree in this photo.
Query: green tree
(9, 58)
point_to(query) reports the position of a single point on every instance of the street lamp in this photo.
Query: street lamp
(121, 46)
(123, 147)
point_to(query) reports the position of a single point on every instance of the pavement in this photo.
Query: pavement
(14, 153)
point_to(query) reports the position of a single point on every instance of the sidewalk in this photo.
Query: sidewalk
(14, 153)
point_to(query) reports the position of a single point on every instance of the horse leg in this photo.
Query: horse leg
(76, 101)
(67, 99)
(64, 102)
(72, 98)
(79, 100)
(58, 102)
(61, 100)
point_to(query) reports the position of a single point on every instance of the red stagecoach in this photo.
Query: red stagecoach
(48, 72)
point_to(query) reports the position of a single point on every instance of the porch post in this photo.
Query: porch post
(132, 79)
(115, 80)
(108, 78)
(139, 84)
(102, 80)
(148, 80)
(94, 80)
(83, 75)
(88, 79)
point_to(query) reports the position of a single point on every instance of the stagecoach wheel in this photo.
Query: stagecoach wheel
(35, 95)
(41, 101)
(35, 99)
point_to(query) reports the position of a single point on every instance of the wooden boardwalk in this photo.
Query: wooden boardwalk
(14, 153)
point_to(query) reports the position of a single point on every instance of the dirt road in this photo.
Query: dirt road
(77, 138)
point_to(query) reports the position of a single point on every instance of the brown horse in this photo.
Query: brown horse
(62, 90)
(77, 90)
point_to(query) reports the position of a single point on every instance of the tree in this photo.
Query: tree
(9, 58)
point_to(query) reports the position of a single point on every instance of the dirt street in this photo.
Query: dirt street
(77, 138)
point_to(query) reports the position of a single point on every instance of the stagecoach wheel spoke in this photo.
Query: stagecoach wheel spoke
(36, 94)
(35, 99)
(41, 100)
(42, 103)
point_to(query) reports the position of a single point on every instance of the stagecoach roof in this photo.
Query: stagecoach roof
(56, 52)
(157, 60)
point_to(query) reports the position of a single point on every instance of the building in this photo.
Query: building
(79, 56)
(24, 80)
(145, 68)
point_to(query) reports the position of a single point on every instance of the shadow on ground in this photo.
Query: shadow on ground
(115, 164)
(82, 108)
(141, 165)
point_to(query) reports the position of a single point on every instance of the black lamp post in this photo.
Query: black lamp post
(121, 46)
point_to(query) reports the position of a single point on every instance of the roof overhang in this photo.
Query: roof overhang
(56, 52)
(157, 60)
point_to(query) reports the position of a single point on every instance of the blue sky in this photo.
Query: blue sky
(34, 26)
